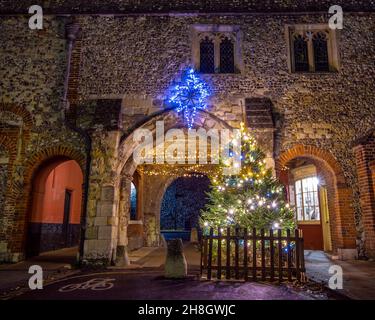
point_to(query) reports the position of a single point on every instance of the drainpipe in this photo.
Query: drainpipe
(72, 32)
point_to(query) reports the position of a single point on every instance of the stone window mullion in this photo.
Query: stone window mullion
(217, 53)
(310, 54)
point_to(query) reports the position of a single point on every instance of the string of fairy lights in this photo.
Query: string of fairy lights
(197, 170)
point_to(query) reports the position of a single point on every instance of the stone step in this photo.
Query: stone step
(255, 113)
(260, 119)
(260, 126)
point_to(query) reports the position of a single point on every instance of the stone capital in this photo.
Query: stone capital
(126, 178)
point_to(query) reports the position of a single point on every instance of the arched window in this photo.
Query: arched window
(300, 50)
(207, 56)
(226, 56)
(133, 202)
(320, 52)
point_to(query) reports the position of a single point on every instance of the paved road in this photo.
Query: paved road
(150, 284)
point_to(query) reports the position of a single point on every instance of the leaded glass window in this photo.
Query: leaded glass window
(226, 56)
(320, 52)
(307, 200)
(301, 60)
(207, 56)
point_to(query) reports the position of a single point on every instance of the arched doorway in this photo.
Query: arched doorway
(181, 205)
(330, 199)
(55, 208)
(308, 194)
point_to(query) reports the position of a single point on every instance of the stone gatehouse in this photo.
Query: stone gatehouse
(73, 93)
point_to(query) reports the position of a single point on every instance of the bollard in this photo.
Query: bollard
(175, 263)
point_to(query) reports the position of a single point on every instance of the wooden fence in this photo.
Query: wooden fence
(236, 254)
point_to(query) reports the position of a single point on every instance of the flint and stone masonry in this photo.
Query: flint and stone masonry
(82, 98)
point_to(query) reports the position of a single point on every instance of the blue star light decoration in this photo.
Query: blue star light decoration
(188, 95)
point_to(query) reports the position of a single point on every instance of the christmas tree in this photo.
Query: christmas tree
(251, 198)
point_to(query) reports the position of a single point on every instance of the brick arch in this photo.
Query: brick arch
(340, 195)
(22, 192)
(8, 144)
(311, 152)
(36, 159)
(20, 111)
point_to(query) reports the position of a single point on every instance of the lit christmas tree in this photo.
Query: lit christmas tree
(253, 198)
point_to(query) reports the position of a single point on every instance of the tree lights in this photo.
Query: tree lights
(253, 198)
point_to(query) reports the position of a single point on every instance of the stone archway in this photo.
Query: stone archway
(340, 195)
(126, 169)
(181, 204)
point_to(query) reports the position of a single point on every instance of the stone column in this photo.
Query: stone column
(100, 235)
(122, 258)
(102, 218)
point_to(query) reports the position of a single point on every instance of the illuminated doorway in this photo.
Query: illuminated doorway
(55, 212)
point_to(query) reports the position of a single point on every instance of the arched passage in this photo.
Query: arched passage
(181, 205)
(146, 229)
(339, 196)
(55, 207)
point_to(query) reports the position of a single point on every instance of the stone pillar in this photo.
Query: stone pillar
(102, 216)
(154, 188)
(100, 245)
(122, 258)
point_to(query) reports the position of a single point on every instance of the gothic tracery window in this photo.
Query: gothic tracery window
(216, 51)
(207, 56)
(301, 60)
(226, 56)
(313, 50)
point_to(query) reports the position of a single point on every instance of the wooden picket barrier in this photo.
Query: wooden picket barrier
(271, 256)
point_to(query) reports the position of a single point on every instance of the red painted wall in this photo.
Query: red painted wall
(49, 193)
